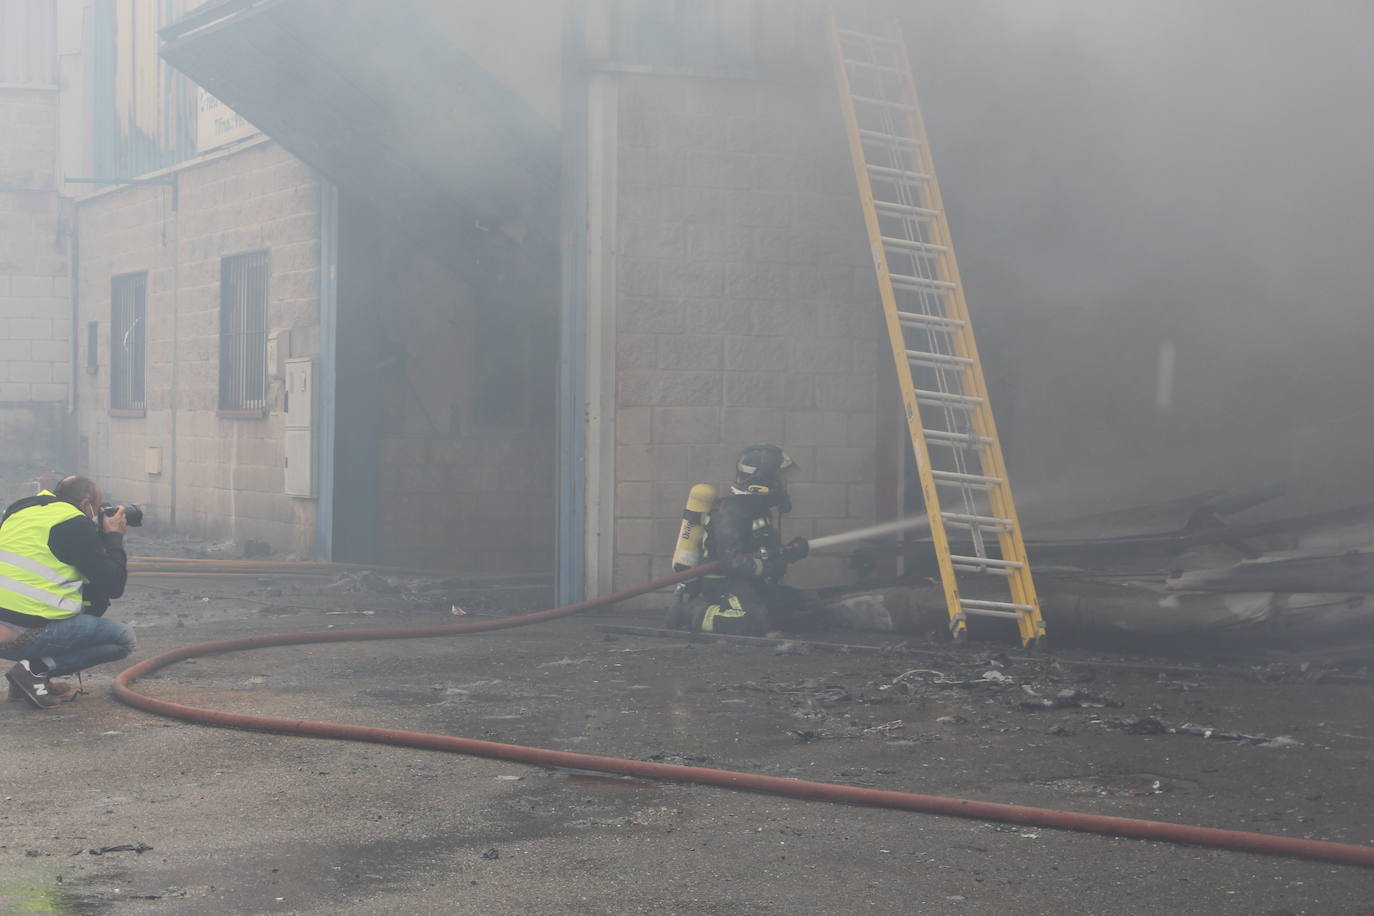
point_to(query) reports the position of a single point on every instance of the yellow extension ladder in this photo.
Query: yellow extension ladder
(963, 479)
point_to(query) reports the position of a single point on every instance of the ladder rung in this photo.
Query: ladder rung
(905, 209)
(960, 520)
(958, 440)
(881, 68)
(878, 136)
(882, 103)
(983, 570)
(907, 281)
(883, 171)
(864, 36)
(937, 360)
(982, 612)
(985, 561)
(935, 322)
(972, 480)
(911, 245)
(971, 604)
(948, 397)
(979, 612)
(985, 566)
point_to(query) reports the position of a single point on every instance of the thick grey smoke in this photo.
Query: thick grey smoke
(1142, 186)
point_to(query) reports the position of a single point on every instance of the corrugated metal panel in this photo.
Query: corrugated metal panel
(145, 112)
(27, 55)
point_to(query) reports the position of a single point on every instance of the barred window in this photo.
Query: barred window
(128, 341)
(243, 332)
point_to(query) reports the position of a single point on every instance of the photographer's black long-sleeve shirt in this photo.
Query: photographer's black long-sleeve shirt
(98, 555)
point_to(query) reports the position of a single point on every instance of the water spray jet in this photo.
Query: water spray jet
(872, 531)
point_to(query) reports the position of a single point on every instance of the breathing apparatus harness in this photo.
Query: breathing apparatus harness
(758, 472)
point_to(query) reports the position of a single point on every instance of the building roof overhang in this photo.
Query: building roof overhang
(378, 103)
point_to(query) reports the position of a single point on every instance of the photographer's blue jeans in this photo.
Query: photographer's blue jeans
(77, 643)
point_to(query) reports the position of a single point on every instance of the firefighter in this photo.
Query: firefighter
(742, 534)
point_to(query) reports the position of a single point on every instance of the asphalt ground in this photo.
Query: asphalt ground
(238, 822)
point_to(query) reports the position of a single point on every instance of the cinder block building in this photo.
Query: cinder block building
(489, 286)
(177, 281)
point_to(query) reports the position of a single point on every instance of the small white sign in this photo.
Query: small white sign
(218, 124)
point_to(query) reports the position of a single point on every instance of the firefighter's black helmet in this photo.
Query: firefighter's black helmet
(760, 469)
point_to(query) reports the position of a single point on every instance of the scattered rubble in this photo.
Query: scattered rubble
(1203, 731)
(139, 848)
(1066, 699)
(366, 580)
(1280, 673)
(1147, 725)
(1141, 725)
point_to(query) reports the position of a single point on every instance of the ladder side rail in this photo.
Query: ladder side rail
(895, 334)
(991, 458)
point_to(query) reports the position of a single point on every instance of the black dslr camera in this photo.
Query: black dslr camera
(132, 514)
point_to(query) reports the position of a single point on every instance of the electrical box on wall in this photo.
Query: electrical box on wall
(299, 460)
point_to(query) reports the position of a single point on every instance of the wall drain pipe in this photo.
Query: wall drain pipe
(1340, 853)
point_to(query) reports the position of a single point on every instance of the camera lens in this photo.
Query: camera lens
(133, 515)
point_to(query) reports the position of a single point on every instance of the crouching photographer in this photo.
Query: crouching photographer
(62, 561)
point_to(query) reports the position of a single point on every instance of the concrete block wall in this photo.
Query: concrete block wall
(35, 296)
(747, 311)
(222, 476)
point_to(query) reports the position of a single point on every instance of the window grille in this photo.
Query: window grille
(128, 341)
(243, 332)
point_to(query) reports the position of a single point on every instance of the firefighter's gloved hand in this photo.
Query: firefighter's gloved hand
(763, 566)
(794, 550)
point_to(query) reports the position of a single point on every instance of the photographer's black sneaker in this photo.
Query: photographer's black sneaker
(35, 687)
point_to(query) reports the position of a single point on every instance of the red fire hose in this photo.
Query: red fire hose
(1342, 853)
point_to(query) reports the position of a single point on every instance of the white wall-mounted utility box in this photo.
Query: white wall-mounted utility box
(300, 403)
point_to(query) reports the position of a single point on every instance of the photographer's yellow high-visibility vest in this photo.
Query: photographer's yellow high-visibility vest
(32, 580)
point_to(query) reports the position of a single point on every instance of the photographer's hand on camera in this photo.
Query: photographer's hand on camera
(116, 523)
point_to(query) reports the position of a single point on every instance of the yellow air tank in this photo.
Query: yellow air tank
(693, 530)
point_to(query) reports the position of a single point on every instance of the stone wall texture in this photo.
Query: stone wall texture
(35, 296)
(229, 478)
(746, 310)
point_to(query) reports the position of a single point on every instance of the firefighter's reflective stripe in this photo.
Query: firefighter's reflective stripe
(729, 608)
(32, 580)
